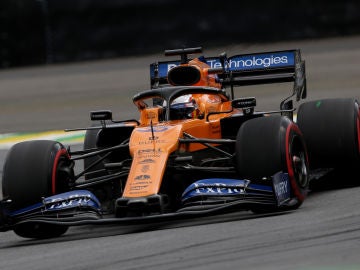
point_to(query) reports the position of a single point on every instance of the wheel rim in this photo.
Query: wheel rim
(300, 168)
(297, 162)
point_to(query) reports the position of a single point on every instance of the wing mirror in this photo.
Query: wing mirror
(100, 115)
(247, 104)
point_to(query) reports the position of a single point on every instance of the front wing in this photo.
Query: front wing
(202, 198)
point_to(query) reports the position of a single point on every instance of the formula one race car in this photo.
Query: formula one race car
(195, 150)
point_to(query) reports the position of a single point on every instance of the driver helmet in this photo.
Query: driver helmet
(184, 107)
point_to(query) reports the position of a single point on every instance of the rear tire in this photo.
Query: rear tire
(268, 145)
(331, 129)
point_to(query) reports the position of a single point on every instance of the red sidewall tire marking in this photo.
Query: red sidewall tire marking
(61, 152)
(298, 194)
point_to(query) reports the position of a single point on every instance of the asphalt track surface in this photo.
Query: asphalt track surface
(323, 234)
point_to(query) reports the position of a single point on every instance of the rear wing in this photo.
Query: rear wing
(247, 69)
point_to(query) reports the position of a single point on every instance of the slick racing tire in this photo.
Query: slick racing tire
(33, 170)
(331, 129)
(268, 145)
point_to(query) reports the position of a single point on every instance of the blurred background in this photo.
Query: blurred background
(36, 32)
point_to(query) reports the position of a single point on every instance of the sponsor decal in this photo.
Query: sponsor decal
(140, 182)
(145, 151)
(63, 201)
(142, 177)
(218, 188)
(145, 161)
(248, 62)
(151, 141)
(151, 156)
(281, 188)
(137, 188)
(150, 153)
(281, 185)
(154, 128)
(59, 204)
(239, 62)
(70, 200)
(244, 102)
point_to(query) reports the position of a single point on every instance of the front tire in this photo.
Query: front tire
(33, 170)
(268, 145)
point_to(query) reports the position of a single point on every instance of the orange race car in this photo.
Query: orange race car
(195, 150)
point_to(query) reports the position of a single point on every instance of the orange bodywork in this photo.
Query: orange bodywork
(150, 152)
(153, 141)
(206, 79)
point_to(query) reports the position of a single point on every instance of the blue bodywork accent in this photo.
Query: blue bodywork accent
(256, 61)
(163, 68)
(224, 187)
(237, 63)
(282, 187)
(63, 201)
(25, 210)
